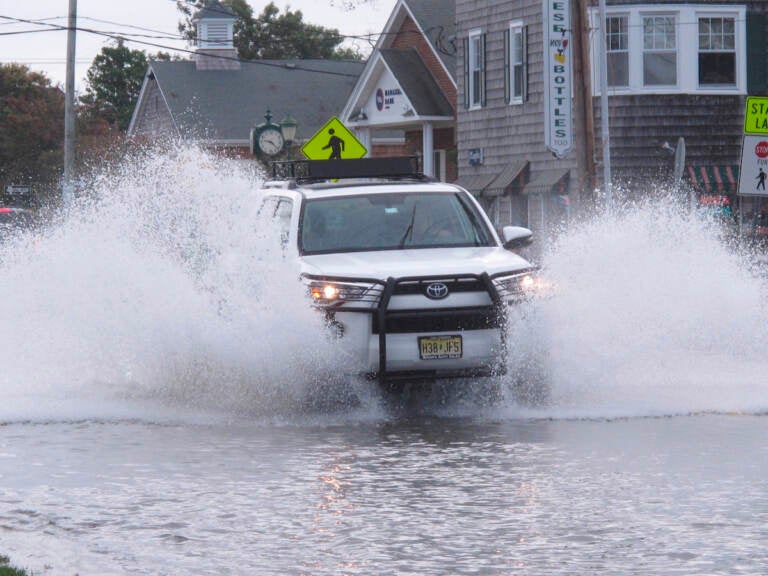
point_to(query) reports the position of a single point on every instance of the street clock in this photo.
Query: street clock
(267, 139)
(270, 141)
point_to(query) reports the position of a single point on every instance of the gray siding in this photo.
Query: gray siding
(153, 117)
(639, 124)
(712, 126)
(510, 132)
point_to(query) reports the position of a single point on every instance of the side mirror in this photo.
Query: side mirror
(516, 237)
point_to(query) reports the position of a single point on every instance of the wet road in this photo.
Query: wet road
(490, 494)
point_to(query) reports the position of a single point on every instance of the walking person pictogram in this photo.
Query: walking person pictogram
(761, 180)
(336, 145)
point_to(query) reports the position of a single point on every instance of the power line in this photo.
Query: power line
(132, 26)
(369, 37)
(27, 32)
(35, 21)
(186, 51)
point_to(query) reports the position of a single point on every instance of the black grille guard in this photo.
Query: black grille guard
(381, 311)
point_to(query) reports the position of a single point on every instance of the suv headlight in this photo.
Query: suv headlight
(335, 293)
(518, 286)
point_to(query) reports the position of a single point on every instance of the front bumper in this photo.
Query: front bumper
(382, 336)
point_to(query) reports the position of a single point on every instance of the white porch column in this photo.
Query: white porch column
(364, 135)
(428, 149)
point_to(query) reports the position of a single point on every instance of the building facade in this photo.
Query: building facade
(408, 88)
(678, 73)
(217, 99)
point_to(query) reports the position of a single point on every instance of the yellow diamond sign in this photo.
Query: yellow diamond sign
(333, 141)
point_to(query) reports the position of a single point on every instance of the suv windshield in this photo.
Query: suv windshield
(390, 222)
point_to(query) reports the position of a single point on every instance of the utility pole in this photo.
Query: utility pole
(69, 107)
(584, 101)
(604, 132)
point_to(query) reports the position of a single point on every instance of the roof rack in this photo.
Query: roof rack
(315, 170)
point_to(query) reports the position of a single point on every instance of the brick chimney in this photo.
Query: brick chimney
(215, 31)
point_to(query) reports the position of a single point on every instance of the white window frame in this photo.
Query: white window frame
(735, 50)
(516, 30)
(475, 45)
(655, 50)
(687, 42)
(621, 50)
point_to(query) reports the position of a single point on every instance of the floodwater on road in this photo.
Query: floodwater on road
(426, 495)
(168, 407)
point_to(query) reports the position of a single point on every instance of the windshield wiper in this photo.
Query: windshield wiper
(409, 230)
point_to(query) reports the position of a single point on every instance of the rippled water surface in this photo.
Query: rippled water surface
(684, 495)
(169, 408)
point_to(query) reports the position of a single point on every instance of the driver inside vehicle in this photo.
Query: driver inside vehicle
(436, 225)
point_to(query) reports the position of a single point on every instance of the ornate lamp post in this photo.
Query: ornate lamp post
(288, 127)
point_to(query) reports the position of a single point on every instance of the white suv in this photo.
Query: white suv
(410, 274)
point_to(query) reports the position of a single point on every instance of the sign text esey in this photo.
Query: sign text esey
(558, 77)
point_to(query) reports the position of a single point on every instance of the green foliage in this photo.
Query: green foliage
(114, 83)
(31, 126)
(7, 570)
(272, 35)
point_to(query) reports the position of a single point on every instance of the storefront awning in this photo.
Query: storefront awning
(475, 183)
(713, 179)
(510, 180)
(549, 182)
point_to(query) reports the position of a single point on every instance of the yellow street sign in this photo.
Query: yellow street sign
(756, 115)
(333, 141)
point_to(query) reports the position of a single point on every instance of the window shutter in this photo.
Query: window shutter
(757, 55)
(482, 70)
(466, 72)
(507, 74)
(525, 64)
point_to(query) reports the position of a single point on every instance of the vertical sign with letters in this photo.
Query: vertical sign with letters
(558, 77)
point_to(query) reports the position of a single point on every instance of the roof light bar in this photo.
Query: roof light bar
(395, 167)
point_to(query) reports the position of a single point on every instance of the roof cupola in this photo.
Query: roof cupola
(215, 33)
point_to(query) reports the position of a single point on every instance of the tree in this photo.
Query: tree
(271, 34)
(31, 127)
(113, 83)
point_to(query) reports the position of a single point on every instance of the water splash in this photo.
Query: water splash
(159, 293)
(157, 285)
(653, 313)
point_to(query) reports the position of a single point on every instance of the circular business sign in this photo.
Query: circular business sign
(379, 99)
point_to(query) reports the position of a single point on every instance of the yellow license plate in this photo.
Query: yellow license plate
(439, 347)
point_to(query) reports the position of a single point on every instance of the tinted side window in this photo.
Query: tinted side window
(283, 219)
(276, 212)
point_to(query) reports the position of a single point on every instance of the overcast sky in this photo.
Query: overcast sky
(46, 51)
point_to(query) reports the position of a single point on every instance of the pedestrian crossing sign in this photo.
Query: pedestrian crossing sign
(333, 141)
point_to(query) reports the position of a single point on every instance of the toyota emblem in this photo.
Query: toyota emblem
(436, 291)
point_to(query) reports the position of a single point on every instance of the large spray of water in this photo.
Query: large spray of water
(652, 312)
(157, 285)
(158, 289)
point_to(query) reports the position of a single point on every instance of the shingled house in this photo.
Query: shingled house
(675, 69)
(217, 98)
(409, 86)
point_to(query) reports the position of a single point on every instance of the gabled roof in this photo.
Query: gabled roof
(215, 9)
(223, 105)
(437, 19)
(417, 82)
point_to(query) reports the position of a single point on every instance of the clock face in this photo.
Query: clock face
(270, 141)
